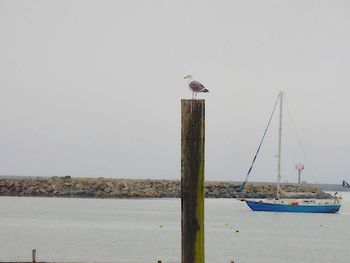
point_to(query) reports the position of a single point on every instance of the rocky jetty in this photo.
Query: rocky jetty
(128, 188)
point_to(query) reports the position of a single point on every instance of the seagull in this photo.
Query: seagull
(195, 86)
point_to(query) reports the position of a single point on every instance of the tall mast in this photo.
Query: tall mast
(279, 148)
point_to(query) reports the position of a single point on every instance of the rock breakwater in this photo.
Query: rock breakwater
(133, 188)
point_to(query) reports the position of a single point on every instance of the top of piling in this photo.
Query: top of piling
(193, 100)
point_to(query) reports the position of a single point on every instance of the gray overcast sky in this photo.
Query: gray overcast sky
(93, 88)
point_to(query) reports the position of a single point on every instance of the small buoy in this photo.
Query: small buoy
(237, 231)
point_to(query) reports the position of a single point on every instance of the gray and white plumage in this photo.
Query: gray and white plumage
(195, 86)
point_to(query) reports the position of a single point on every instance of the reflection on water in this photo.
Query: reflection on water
(140, 231)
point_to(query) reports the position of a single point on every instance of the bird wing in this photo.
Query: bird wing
(196, 86)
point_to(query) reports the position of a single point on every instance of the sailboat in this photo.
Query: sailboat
(279, 204)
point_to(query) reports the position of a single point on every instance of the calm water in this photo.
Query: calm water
(141, 231)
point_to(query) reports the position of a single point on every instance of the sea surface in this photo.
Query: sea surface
(145, 230)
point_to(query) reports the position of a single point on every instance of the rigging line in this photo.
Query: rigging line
(257, 151)
(299, 141)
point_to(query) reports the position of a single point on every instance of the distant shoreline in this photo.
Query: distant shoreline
(146, 188)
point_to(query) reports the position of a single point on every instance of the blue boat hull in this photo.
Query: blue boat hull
(270, 207)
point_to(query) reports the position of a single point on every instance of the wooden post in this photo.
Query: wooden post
(192, 180)
(34, 255)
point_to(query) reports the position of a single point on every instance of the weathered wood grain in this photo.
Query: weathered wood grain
(192, 180)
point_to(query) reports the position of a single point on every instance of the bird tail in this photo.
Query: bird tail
(205, 90)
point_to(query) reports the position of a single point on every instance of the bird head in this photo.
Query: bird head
(188, 77)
